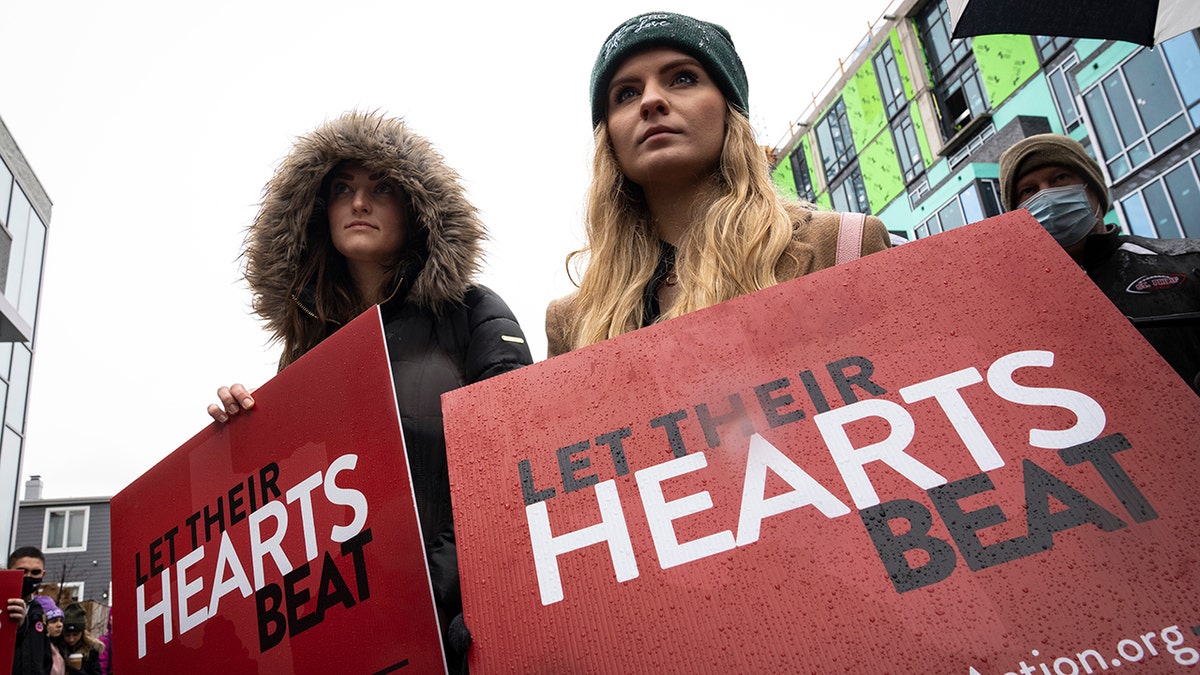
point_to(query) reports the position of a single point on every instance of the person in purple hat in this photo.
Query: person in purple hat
(54, 628)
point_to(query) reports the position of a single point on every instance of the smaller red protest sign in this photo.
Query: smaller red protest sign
(11, 582)
(286, 541)
(955, 456)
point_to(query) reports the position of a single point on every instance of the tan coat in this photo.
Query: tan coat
(814, 247)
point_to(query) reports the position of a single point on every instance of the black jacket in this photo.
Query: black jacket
(33, 655)
(430, 356)
(1152, 281)
(443, 331)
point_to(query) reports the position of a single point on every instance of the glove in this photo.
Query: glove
(460, 637)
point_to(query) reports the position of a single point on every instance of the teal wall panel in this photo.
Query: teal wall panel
(1034, 99)
(1103, 63)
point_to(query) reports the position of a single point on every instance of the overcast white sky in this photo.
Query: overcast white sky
(154, 126)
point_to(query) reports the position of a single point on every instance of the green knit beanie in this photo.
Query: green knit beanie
(708, 43)
(1042, 150)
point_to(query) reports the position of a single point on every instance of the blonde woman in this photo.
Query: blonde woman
(682, 213)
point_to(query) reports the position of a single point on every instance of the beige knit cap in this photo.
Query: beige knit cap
(1042, 150)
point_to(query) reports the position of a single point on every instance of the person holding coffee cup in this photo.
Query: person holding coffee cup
(78, 647)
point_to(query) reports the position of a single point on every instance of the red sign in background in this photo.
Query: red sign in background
(955, 456)
(285, 541)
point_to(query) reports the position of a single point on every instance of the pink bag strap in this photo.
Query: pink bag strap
(850, 234)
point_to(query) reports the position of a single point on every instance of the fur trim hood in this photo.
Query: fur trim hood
(439, 210)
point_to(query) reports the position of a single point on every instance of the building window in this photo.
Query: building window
(908, 150)
(1169, 206)
(18, 388)
(834, 140)
(1183, 54)
(942, 53)
(918, 191)
(957, 87)
(800, 175)
(977, 140)
(849, 193)
(1048, 46)
(1137, 111)
(976, 202)
(1062, 86)
(64, 593)
(989, 197)
(6, 186)
(66, 530)
(890, 84)
(26, 238)
(960, 99)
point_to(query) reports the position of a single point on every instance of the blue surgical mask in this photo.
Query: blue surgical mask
(1065, 212)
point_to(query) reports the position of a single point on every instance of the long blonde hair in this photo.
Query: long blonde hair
(740, 230)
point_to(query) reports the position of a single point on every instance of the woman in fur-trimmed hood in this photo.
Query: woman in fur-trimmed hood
(362, 212)
(291, 264)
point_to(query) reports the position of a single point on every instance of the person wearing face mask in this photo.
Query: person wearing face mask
(32, 655)
(1154, 282)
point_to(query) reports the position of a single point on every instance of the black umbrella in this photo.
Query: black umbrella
(1145, 22)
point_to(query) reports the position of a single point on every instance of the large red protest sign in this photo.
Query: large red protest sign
(953, 457)
(286, 541)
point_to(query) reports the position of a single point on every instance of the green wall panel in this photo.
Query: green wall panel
(1005, 62)
(901, 64)
(783, 179)
(881, 171)
(922, 140)
(864, 106)
(823, 202)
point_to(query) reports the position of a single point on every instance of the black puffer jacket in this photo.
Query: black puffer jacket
(1153, 282)
(32, 656)
(430, 356)
(442, 330)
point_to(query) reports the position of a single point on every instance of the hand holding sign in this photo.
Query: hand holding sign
(234, 399)
(289, 538)
(11, 584)
(17, 609)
